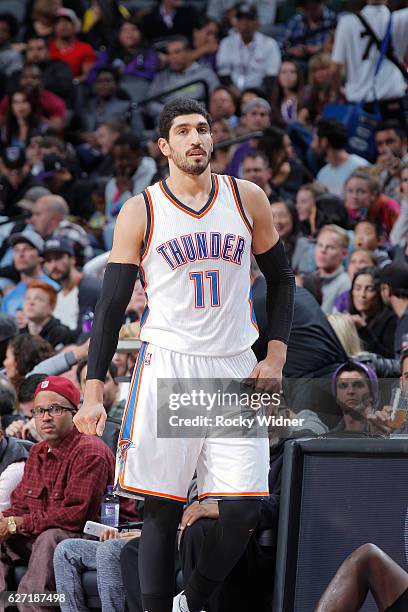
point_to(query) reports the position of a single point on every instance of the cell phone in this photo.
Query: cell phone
(96, 529)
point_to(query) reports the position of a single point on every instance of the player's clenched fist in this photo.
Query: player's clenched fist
(90, 418)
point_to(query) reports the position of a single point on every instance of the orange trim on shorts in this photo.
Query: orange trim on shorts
(155, 493)
(192, 214)
(237, 204)
(238, 494)
(149, 240)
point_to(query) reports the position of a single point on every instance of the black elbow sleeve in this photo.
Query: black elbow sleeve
(117, 289)
(280, 291)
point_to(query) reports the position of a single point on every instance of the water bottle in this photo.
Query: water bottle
(110, 509)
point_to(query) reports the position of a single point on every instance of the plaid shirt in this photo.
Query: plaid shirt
(64, 486)
(297, 29)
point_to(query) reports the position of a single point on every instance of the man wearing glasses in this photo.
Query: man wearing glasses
(65, 478)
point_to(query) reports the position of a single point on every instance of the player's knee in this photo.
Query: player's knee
(243, 514)
(193, 536)
(364, 557)
(368, 550)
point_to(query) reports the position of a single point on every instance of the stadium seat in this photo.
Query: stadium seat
(91, 589)
(88, 580)
(135, 87)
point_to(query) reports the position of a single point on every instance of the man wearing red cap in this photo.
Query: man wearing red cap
(65, 478)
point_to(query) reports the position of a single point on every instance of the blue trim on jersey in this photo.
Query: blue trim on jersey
(253, 317)
(144, 316)
(148, 224)
(142, 281)
(241, 207)
(127, 425)
(191, 210)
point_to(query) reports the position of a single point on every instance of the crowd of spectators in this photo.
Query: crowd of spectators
(82, 83)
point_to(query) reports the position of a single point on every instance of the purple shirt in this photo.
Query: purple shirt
(240, 153)
(143, 64)
(342, 302)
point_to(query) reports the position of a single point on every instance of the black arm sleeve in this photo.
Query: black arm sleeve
(280, 291)
(117, 289)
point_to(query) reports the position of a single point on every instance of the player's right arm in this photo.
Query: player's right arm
(119, 280)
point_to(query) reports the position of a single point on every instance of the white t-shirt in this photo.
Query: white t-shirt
(9, 479)
(248, 65)
(67, 308)
(350, 47)
(334, 177)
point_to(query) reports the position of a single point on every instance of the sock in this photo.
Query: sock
(157, 602)
(198, 591)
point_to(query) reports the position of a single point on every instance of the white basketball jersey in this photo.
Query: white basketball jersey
(196, 273)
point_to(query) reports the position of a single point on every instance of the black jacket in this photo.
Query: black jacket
(9, 196)
(11, 451)
(55, 332)
(379, 335)
(382, 366)
(314, 349)
(154, 28)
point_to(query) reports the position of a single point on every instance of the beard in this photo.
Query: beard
(196, 166)
(59, 276)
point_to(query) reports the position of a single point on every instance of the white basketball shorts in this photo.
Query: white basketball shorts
(148, 465)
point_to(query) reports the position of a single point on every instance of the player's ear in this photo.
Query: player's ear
(164, 146)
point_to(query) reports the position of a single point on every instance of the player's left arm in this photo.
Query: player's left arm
(280, 282)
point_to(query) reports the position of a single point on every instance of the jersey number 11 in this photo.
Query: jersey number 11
(213, 277)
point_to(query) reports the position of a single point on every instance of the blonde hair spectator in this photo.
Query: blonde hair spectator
(339, 231)
(346, 332)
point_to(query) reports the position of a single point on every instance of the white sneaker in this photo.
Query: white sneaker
(180, 603)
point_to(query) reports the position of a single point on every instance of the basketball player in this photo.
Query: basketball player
(367, 569)
(191, 238)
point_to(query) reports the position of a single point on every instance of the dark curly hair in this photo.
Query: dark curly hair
(28, 351)
(177, 107)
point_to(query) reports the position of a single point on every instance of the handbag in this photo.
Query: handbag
(361, 125)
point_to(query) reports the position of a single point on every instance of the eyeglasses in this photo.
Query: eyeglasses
(53, 410)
